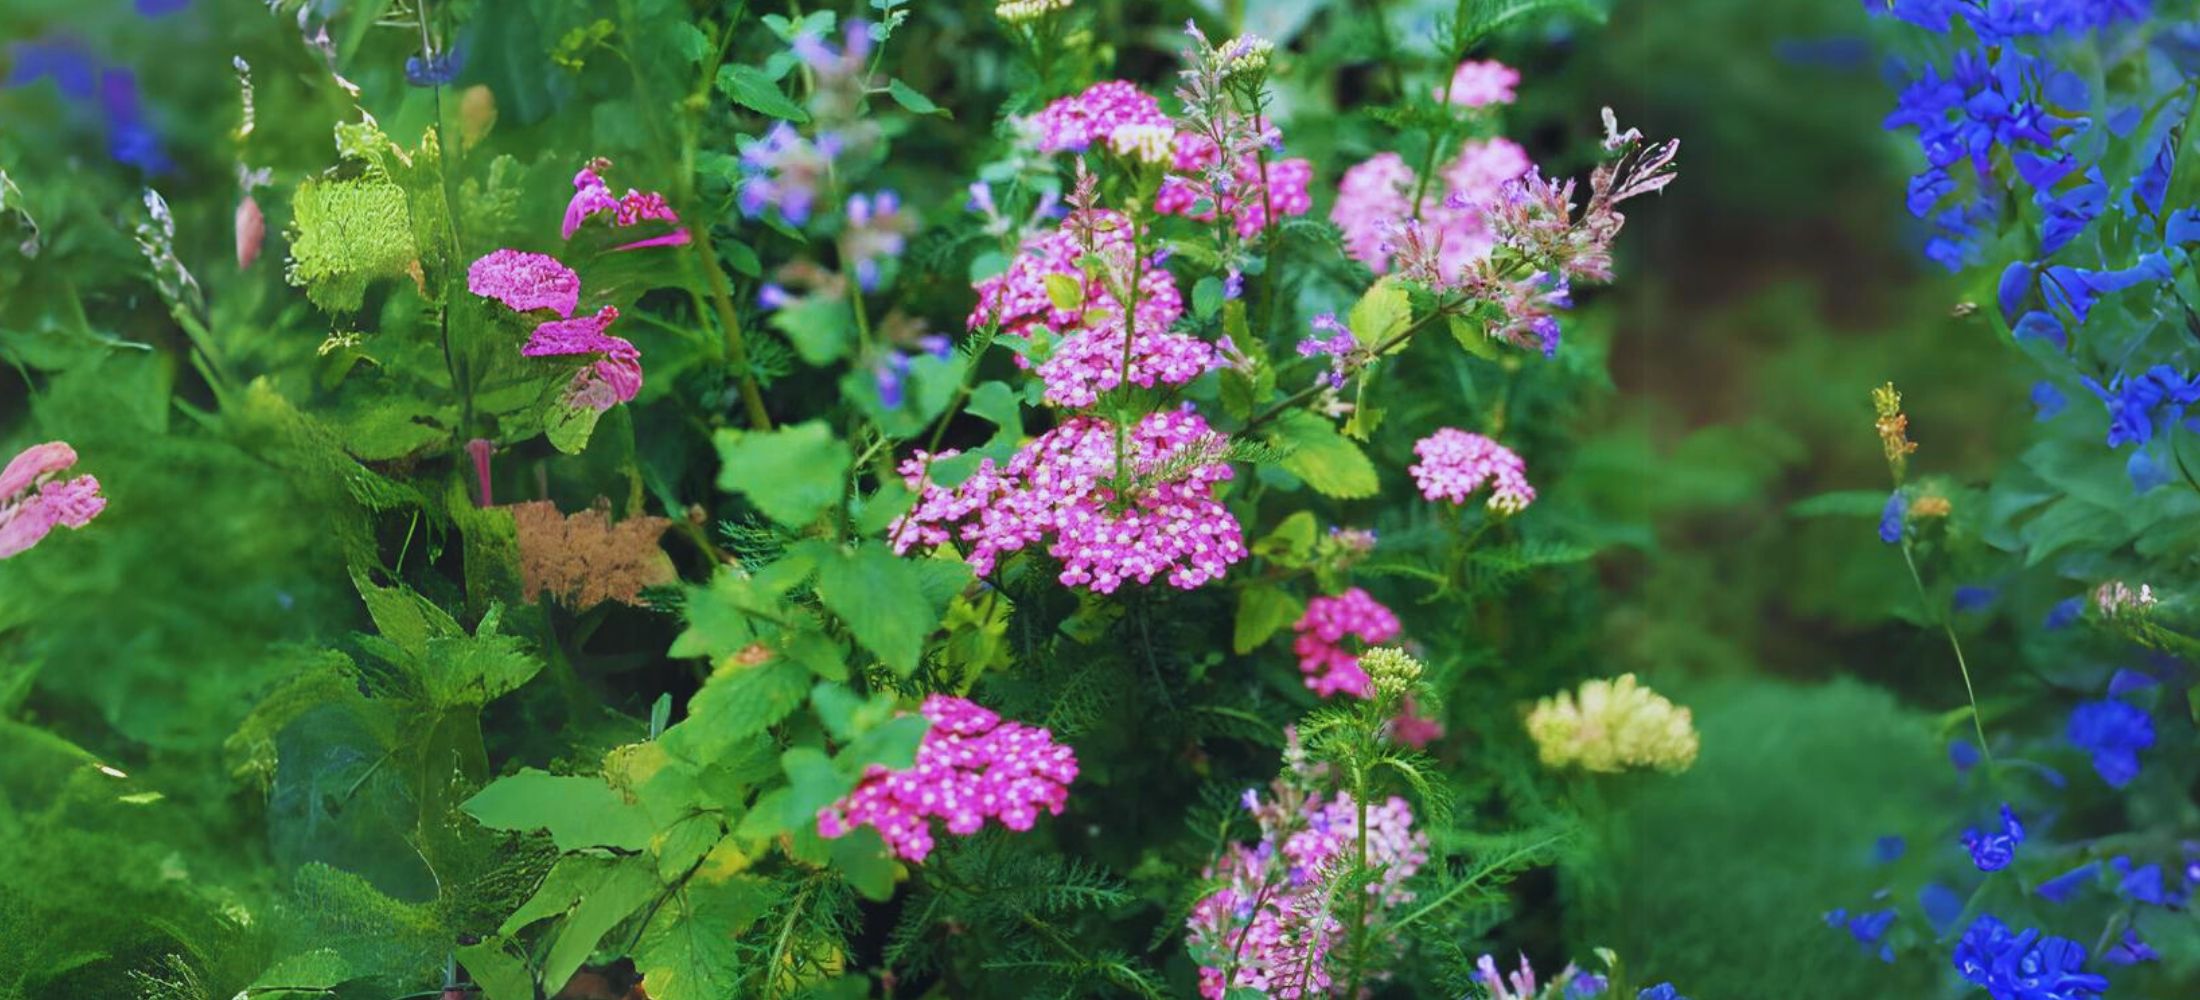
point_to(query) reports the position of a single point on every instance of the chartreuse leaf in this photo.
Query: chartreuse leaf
(1326, 460)
(690, 950)
(887, 602)
(752, 88)
(1384, 311)
(792, 474)
(1262, 610)
(579, 812)
(739, 701)
(628, 885)
(861, 856)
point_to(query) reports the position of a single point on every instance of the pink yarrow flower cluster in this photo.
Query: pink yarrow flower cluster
(1479, 84)
(971, 767)
(1329, 667)
(1089, 360)
(1454, 464)
(1271, 925)
(34, 499)
(527, 282)
(592, 198)
(1375, 207)
(1060, 491)
(1073, 124)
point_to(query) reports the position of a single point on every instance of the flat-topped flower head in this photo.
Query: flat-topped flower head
(1073, 124)
(1027, 11)
(971, 767)
(525, 281)
(1477, 84)
(1330, 667)
(1060, 491)
(1613, 725)
(1455, 464)
(35, 499)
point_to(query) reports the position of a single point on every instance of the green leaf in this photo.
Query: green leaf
(692, 44)
(1471, 334)
(1326, 460)
(570, 427)
(1207, 297)
(861, 856)
(751, 88)
(821, 328)
(691, 949)
(501, 975)
(1292, 543)
(738, 702)
(579, 812)
(1066, 292)
(628, 886)
(1262, 611)
(792, 474)
(908, 97)
(1385, 310)
(881, 598)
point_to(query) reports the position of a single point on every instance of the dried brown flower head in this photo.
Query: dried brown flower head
(583, 559)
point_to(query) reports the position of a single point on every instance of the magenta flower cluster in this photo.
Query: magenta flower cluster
(1271, 924)
(1479, 84)
(1330, 668)
(971, 767)
(592, 198)
(1072, 124)
(530, 281)
(1089, 360)
(1375, 204)
(1454, 464)
(1061, 491)
(1251, 195)
(34, 499)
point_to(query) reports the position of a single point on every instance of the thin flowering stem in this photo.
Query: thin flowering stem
(1962, 665)
(1281, 406)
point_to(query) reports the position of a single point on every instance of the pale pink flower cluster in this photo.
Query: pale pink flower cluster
(592, 197)
(530, 281)
(1073, 124)
(1454, 464)
(1478, 84)
(1060, 490)
(1375, 203)
(1271, 925)
(970, 767)
(1247, 200)
(1329, 667)
(34, 500)
(1089, 360)
(1410, 727)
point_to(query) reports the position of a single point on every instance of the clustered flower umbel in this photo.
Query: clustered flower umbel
(1060, 491)
(1087, 359)
(971, 767)
(1329, 667)
(1026, 11)
(1612, 725)
(34, 499)
(1455, 464)
(1375, 206)
(1272, 923)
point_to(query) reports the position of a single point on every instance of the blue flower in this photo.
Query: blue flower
(1991, 851)
(2151, 187)
(2068, 214)
(1662, 991)
(2141, 406)
(2060, 888)
(2024, 966)
(2142, 883)
(2131, 950)
(2114, 733)
(1890, 518)
(1971, 599)
(437, 69)
(2075, 289)
(2047, 401)
(1942, 905)
(1587, 986)
(1889, 849)
(2064, 614)
(1962, 755)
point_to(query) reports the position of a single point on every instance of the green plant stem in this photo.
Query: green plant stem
(1977, 723)
(1278, 408)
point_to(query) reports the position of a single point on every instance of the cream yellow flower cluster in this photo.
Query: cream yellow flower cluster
(1613, 725)
(1023, 11)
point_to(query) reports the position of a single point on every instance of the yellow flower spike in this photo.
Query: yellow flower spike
(1894, 429)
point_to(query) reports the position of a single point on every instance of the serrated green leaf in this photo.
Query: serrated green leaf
(908, 97)
(579, 812)
(752, 88)
(880, 597)
(1324, 459)
(792, 474)
(1262, 611)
